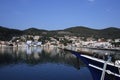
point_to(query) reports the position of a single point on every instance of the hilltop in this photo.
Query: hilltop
(7, 33)
(107, 33)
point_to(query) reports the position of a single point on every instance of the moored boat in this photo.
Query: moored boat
(107, 68)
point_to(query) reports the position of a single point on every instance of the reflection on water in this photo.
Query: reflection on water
(37, 55)
(40, 63)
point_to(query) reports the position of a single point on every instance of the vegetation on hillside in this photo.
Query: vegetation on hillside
(109, 33)
(7, 34)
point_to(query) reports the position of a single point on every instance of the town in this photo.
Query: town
(65, 41)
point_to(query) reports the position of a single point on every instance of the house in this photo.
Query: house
(29, 42)
(117, 40)
(36, 38)
(102, 45)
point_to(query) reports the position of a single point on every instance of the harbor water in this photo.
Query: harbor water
(41, 63)
(36, 63)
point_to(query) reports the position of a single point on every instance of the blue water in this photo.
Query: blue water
(41, 64)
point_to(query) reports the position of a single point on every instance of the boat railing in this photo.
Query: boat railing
(104, 68)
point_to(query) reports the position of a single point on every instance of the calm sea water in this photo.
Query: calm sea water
(38, 63)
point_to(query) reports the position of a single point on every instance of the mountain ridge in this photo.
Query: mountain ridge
(82, 31)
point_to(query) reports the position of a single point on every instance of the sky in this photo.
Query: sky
(59, 14)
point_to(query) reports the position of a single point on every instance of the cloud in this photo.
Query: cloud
(91, 0)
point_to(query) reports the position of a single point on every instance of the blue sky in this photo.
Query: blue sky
(59, 14)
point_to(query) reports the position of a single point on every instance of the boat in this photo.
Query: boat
(103, 67)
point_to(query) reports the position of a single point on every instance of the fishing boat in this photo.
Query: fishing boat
(104, 67)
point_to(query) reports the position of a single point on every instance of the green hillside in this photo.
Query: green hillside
(108, 33)
(6, 33)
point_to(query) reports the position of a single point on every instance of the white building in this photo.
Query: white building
(117, 40)
(102, 44)
(29, 42)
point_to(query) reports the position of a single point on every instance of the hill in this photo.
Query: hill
(108, 33)
(82, 31)
(6, 33)
(34, 31)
